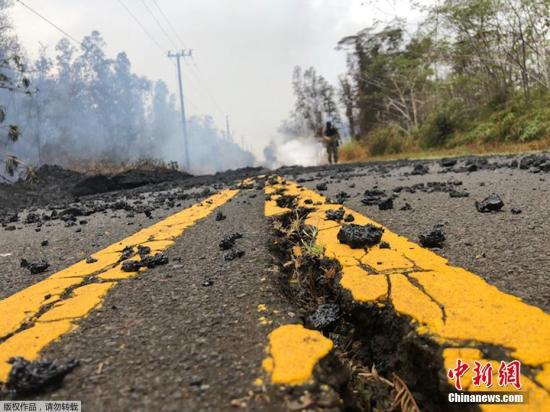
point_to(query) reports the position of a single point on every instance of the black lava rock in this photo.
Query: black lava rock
(35, 268)
(324, 316)
(386, 204)
(516, 211)
(27, 378)
(127, 253)
(321, 187)
(229, 241)
(131, 266)
(373, 197)
(420, 169)
(143, 250)
(384, 245)
(220, 216)
(233, 254)
(336, 215)
(359, 236)
(448, 162)
(90, 260)
(433, 237)
(340, 197)
(349, 218)
(154, 261)
(493, 203)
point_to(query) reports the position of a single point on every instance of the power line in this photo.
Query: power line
(142, 27)
(51, 23)
(169, 23)
(159, 24)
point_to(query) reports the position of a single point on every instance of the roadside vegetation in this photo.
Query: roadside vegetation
(473, 77)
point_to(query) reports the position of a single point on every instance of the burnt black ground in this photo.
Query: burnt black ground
(187, 336)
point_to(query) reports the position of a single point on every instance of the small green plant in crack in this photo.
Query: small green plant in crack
(309, 245)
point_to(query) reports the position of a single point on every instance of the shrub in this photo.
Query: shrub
(387, 140)
(442, 124)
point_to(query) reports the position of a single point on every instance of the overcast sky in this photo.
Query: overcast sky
(245, 50)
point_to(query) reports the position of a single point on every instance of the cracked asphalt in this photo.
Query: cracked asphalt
(191, 335)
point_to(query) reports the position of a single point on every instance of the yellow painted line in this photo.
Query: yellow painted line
(454, 307)
(36, 316)
(293, 353)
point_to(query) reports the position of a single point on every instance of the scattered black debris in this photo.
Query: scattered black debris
(349, 218)
(233, 254)
(324, 316)
(143, 250)
(32, 218)
(154, 261)
(10, 228)
(131, 266)
(220, 216)
(27, 378)
(373, 197)
(359, 236)
(493, 203)
(35, 268)
(406, 206)
(516, 211)
(44, 243)
(91, 259)
(321, 186)
(420, 169)
(433, 237)
(207, 283)
(229, 241)
(384, 245)
(127, 253)
(448, 162)
(386, 204)
(340, 198)
(336, 215)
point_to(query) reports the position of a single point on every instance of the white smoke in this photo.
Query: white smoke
(300, 151)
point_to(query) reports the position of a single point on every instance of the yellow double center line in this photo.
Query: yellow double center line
(43, 312)
(454, 307)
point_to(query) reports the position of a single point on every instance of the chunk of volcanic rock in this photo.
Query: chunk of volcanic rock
(229, 241)
(420, 169)
(321, 186)
(131, 266)
(491, 204)
(233, 254)
(220, 216)
(373, 197)
(154, 261)
(433, 237)
(360, 236)
(386, 204)
(335, 214)
(27, 378)
(448, 162)
(324, 316)
(35, 268)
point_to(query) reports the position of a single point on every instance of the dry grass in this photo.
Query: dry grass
(354, 151)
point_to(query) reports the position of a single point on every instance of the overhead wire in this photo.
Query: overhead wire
(170, 39)
(142, 26)
(169, 23)
(51, 23)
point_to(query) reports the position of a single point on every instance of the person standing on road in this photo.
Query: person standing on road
(331, 138)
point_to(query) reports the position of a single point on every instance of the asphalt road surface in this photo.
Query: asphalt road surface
(207, 329)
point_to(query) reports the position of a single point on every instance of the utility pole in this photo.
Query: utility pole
(178, 55)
